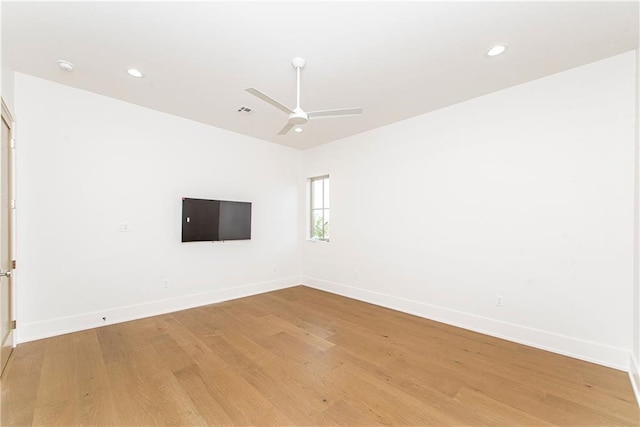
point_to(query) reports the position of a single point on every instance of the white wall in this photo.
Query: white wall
(7, 86)
(6, 76)
(526, 193)
(634, 372)
(88, 163)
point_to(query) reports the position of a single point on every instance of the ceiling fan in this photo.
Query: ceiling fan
(298, 116)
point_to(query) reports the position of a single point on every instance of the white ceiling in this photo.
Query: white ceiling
(395, 59)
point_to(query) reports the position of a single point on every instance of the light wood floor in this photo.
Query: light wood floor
(304, 357)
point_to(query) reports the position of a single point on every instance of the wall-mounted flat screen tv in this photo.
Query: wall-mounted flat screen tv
(215, 220)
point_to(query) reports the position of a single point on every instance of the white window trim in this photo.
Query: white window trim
(310, 208)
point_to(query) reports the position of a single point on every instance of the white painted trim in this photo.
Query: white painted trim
(601, 354)
(9, 118)
(37, 330)
(634, 376)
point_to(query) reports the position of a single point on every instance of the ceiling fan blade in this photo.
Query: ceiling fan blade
(267, 98)
(335, 113)
(286, 129)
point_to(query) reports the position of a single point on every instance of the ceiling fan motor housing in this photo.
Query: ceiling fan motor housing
(298, 117)
(298, 62)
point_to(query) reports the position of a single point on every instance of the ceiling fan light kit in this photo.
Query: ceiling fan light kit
(297, 116)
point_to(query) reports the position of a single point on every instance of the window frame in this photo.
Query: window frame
(323, 208)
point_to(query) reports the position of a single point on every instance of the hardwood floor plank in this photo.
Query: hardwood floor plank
(210, 409)
(301, 334)
(227, 386)
(347, 414)
(173, 356)
(135, 399)
(56, 413)
(300, 356)
(427, 388)
(169, 401)
(538, 402)
(586, 412)
(293, 351)
(297, 396)
(382, 402)
(20, 385)
(298, 315)
(93, 391)
(115, 343)
(57, 389)
(492, 412)
(610, 382)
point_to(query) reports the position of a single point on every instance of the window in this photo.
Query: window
(319, 208)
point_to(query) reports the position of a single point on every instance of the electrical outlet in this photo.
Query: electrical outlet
(357, 274)
(499, 301)
(123, 228)
(165, 283)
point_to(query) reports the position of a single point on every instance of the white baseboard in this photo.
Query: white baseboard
(634, 376)
(601, 354)
(63, 325)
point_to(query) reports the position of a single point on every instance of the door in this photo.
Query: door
(6, 257)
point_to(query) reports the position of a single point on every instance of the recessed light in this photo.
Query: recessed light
(65, 65)
(298, 130)
(134, 72)
(496, 50)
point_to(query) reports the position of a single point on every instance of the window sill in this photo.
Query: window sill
(317, 241)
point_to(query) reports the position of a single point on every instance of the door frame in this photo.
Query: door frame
(8, 117)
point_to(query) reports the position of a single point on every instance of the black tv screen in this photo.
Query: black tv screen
(215, 220)
(235, 221)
